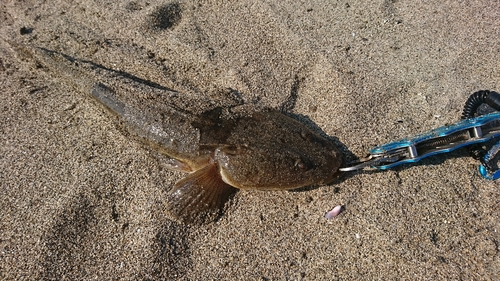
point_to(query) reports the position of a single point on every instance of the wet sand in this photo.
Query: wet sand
(80, 201)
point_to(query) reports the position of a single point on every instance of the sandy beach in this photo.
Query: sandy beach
(79, 200)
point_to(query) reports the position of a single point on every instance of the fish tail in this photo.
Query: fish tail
(63, 65)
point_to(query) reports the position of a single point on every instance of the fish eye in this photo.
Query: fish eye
(306, 135)
(311, 137)
(302, 165)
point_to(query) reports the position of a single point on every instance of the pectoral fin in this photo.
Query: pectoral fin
(200, 196)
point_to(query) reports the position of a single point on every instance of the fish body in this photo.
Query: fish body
(265, 150)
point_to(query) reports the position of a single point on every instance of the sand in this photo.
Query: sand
(81, 201)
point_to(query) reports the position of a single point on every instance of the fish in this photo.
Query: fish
(221, 152)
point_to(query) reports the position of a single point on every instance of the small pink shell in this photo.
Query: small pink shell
(334, 212)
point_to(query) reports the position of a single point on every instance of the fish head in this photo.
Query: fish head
(273, 151)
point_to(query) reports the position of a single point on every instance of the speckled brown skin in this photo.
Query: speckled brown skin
(264, 150)
(271, 151)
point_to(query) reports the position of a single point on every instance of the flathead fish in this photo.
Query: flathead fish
(221, 152)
